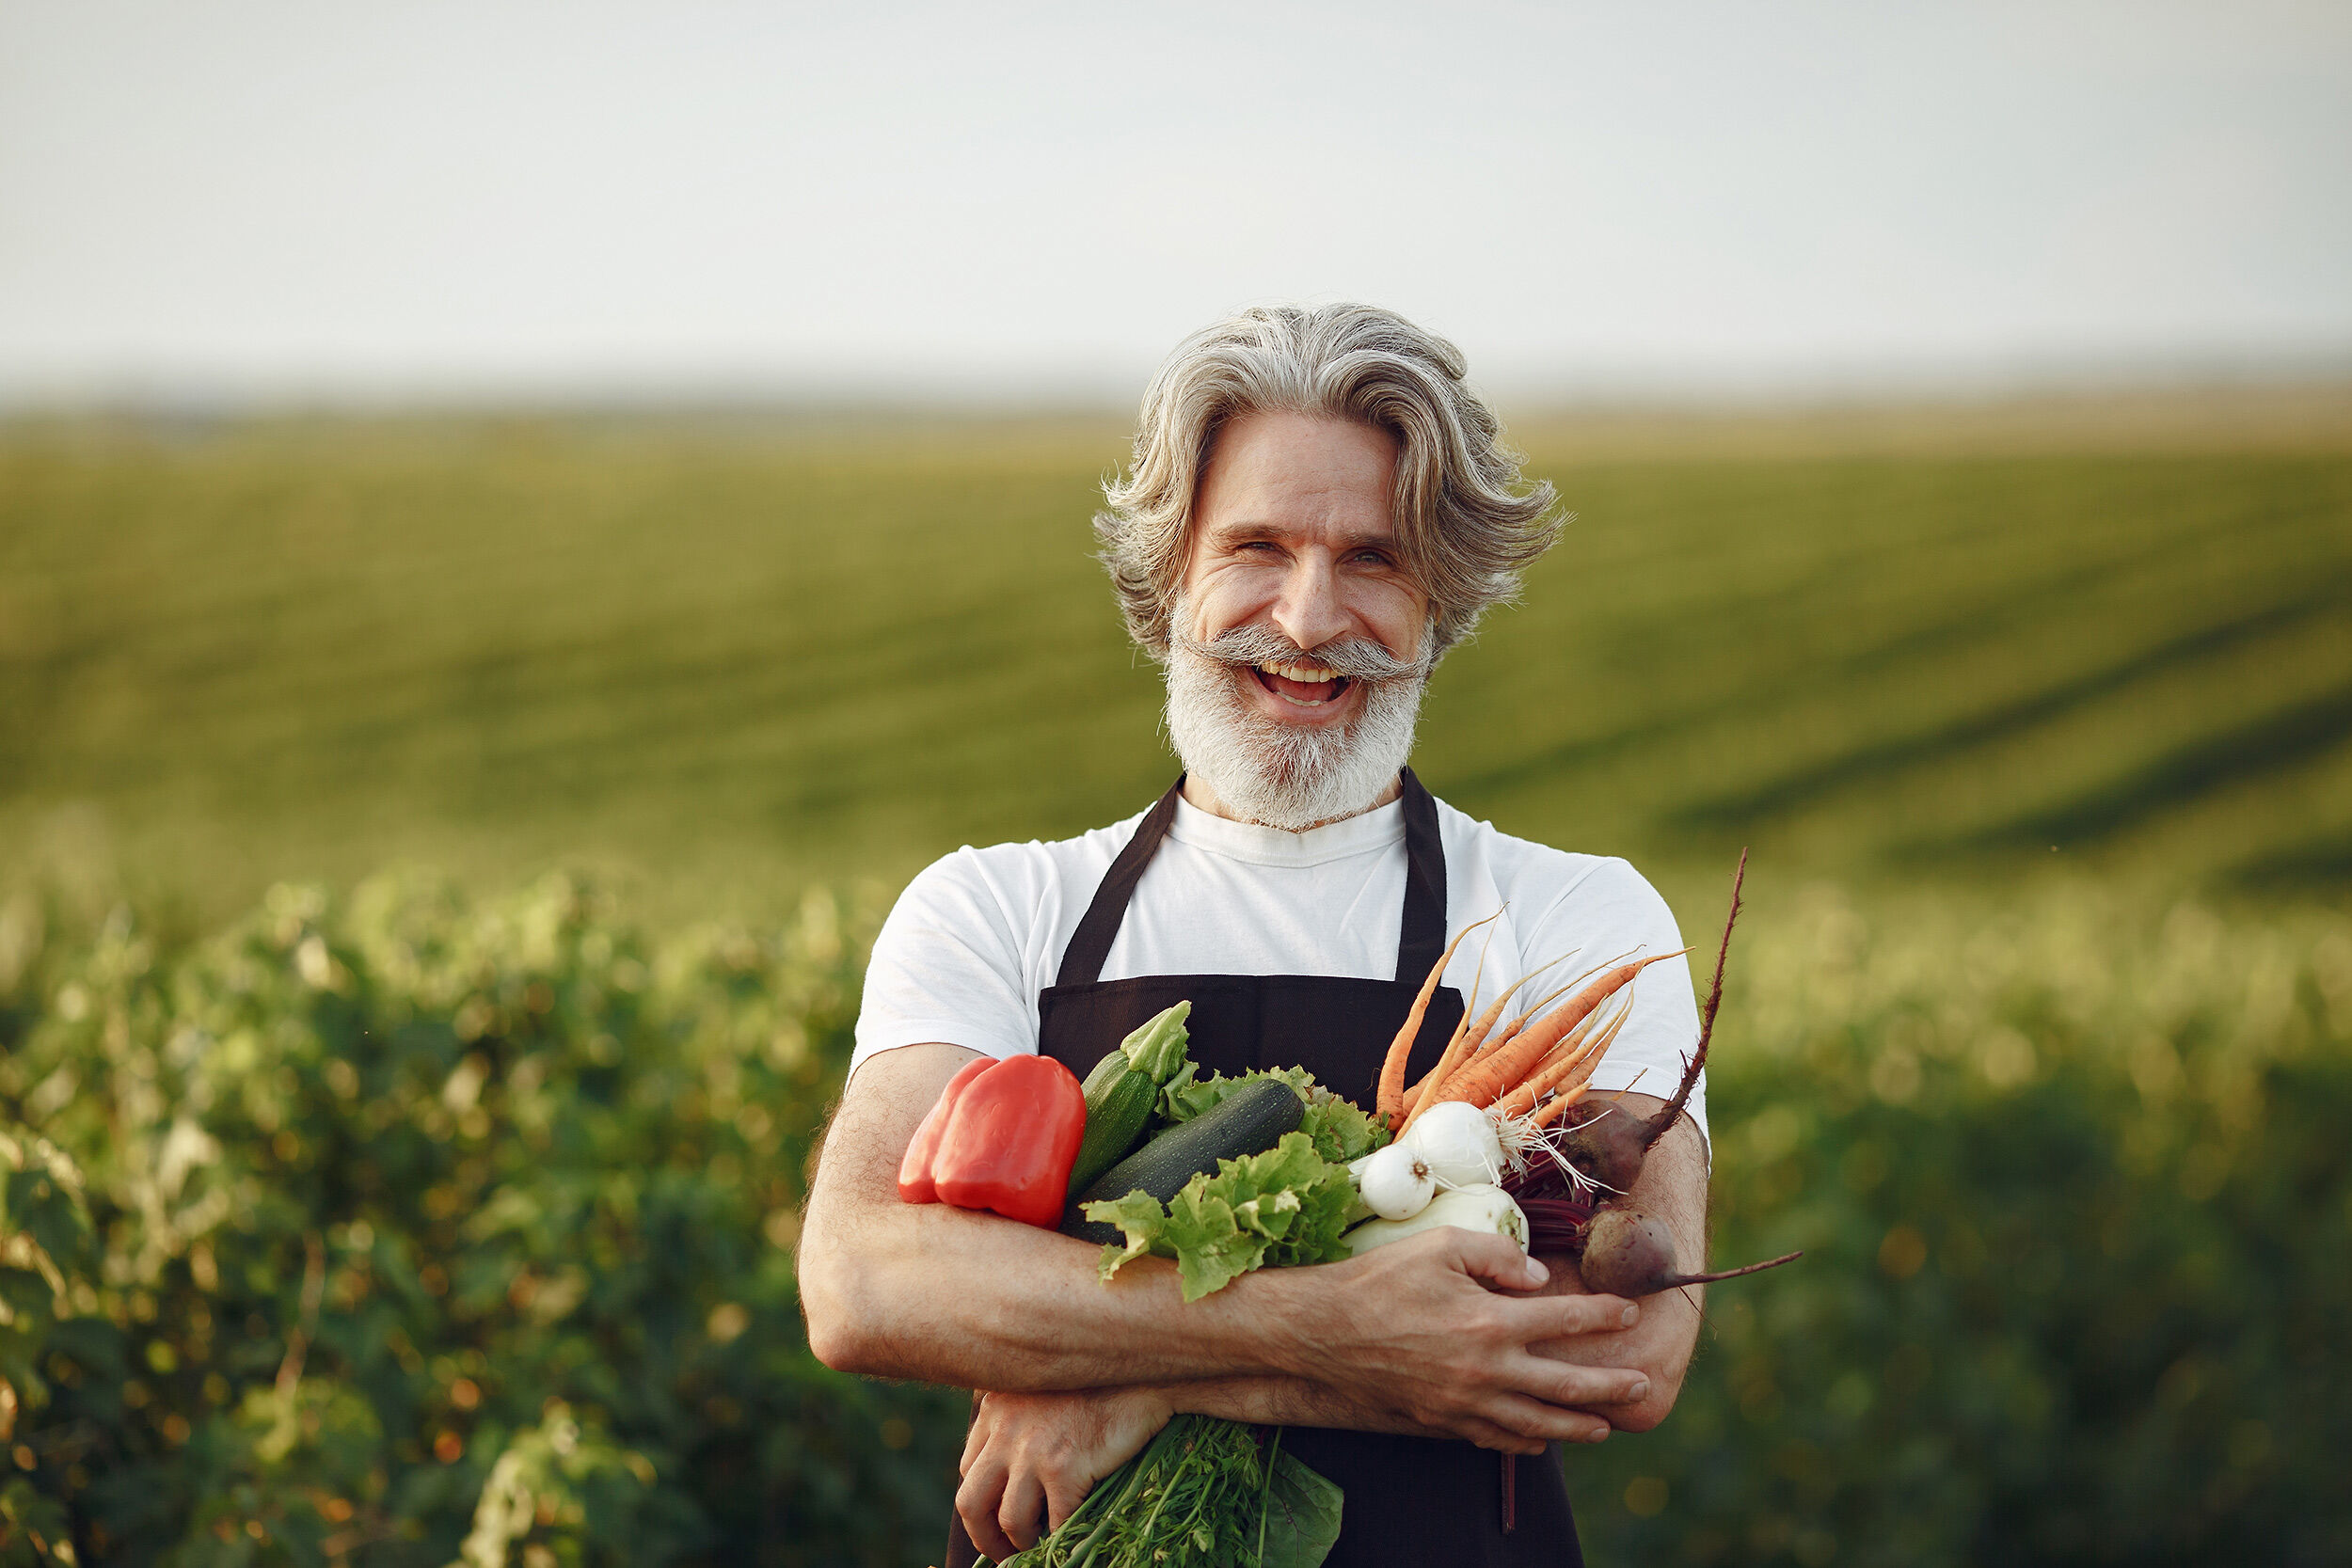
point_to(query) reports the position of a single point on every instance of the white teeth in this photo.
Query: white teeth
(1306, 674)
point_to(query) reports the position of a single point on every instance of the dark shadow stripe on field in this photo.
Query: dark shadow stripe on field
(2314, 861)
(1970, 627)
(1805, 786)
(2268, 744)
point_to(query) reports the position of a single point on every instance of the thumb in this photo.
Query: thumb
(1497, 1262)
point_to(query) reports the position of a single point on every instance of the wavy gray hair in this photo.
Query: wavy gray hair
(1465, 523)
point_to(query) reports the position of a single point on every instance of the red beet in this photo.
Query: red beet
(1630, 1253)
(1608, 1149)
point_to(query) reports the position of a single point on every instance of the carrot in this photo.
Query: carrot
(1389, 1106)
(1572, 1088)
(1511, 1030)
(1568, 1069)
(1486, 1079)
(1460, 1048)
(1555, 1066)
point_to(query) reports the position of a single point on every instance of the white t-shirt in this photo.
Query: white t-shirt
(975, 937)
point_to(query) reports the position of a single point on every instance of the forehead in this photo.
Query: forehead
(1295, 474)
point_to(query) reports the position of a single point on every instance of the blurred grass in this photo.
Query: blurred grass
(717, 662)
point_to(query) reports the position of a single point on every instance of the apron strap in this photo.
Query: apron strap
(1082, 960)
(1421, 933)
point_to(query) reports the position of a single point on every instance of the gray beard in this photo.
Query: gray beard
(1283, 775)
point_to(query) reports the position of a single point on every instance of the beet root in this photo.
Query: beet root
(1630, 1253)
(1608, 1150)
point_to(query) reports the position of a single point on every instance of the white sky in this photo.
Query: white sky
(486, 198)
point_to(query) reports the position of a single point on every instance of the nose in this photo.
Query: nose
(1308, 610)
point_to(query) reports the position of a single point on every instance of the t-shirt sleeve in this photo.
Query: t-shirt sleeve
(1610, 914)
(948, 967)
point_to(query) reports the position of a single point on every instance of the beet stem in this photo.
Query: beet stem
(1674, 1281)
(1697, 1059)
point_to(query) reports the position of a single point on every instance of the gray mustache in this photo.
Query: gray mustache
(1357, 658)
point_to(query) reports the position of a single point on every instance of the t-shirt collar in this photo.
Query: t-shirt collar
(1249, 841)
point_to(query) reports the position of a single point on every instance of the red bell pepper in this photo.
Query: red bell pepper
(1002, 1137)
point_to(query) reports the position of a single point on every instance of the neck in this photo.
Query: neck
(1206, 799)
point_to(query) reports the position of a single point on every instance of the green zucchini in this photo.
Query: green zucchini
(1123, 1089)
(1249, 1121)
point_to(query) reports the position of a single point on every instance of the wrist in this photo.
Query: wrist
(1291, 1322)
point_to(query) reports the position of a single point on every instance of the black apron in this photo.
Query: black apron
(1409, 1499)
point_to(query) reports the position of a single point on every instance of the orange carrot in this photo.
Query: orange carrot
(1487, 1078)
(1549, 1112)
(1575, 1089)
(1464, 1045)
(1511, 1030)
(1389, 1106)
(1570, 1064)
(1556, 1065)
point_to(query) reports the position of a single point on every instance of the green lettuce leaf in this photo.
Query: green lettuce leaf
(1286, 1206)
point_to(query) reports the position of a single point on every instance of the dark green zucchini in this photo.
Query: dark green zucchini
(1249, 1121)
(1124, 1090)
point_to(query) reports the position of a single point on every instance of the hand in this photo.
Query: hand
(1424, 1333)
(1672, 1186)
(1029, 1452)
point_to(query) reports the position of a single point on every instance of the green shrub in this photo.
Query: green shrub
(409, 1231)
(2075, 1190)
(406, 1229)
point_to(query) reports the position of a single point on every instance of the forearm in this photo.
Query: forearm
(931, 1292)
(943, 1296)
(1672, 1186)
(1278, 1401)
(1437, 1332)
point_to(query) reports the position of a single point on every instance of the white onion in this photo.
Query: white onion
(1483, 1209)
(1459, 1143)
(1395, 1182)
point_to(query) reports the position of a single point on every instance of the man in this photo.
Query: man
(1319, 507)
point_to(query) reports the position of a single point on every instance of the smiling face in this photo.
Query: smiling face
(1296, 655)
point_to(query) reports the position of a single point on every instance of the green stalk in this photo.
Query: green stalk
(1265, 1487)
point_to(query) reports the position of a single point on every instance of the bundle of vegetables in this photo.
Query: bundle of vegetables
(1488, 1128)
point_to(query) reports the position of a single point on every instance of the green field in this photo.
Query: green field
(349, 1213)
(720, 662)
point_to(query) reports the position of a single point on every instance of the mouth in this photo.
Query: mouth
(1302, 685)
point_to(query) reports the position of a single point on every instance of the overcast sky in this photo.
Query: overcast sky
(492, 198)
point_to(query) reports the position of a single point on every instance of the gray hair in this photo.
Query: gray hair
(1465, 525)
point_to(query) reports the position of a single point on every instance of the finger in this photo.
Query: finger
(974, 1441)
(1567, 1315)
(1064, 1491)
(1566, 1384)
(1490, 1434)
(1024, 1504)
(1535, 1423)
(977, 1505)
(1495, 1261)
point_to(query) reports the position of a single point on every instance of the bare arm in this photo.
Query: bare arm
(1414, 1332)
(1672, 1186)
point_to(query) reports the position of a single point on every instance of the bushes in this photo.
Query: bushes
(413, 1228)
(405, 1229)
(2075, 1188)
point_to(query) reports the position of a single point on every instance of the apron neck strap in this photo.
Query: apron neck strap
(1421, 934)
